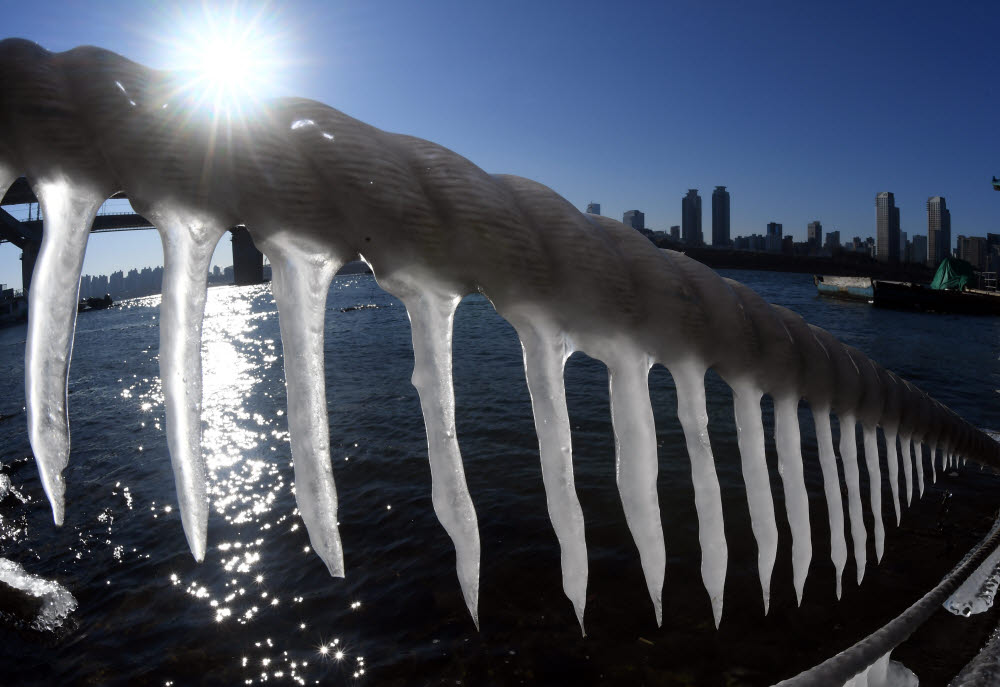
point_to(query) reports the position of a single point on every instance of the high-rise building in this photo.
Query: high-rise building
(634, 219)
(887, 227)
(918, 249)
(833, 241)
(593, 208)
(938, 231)
(675, 232)
(773, 237)
(720, 217)
(691, 218)
(972, 249)
(815, 235)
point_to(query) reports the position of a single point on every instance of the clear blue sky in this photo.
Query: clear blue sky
(803, 110)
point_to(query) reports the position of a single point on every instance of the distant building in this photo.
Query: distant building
(815, 234)
(918, 249)
(754, 242)
(675, 232)
(720, 217)
(887, 227)
(993, 252)
(938, 231)
(691, 218)
(773, 237)
(832, 241)
(593, 208)
(972, 249)
(634, 219)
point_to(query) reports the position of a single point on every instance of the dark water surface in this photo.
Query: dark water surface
(263, 608)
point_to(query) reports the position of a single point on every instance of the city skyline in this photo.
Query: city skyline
(770, 130)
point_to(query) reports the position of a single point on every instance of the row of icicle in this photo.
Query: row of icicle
(316, 188)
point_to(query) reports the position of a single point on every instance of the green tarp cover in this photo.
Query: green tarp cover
(953, 274)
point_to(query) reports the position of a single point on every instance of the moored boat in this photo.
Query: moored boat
(849, 288)
(906, 296)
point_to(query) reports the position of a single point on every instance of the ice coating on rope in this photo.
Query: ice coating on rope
(689, 379)
(300, 284)
(636, 466)
(831, 487)
(86, 123)
(431, 322)
(976, 593)
(545, 355)
(788, 443)
(750, 436)
(849, 458)
(68, 210)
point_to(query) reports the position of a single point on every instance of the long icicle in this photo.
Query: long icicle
(188, 244)
(906, 443)
(432, 318)
(300, 284)
(831, 487)
(750, 437)
(918, 462)
(849, 458)
(788, 443)
(892, 463)
(545, 355)
(693, 415)
(68, 212)
(875, 488)
(636, 466)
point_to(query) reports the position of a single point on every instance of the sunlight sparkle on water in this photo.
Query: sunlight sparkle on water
(248, 460)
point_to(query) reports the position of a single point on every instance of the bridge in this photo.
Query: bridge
(248, 262)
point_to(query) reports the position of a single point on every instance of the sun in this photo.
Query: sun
(228, 57)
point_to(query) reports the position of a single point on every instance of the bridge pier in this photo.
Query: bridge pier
(248, 262)
(29, 254)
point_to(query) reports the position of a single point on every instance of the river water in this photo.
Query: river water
(262, 607)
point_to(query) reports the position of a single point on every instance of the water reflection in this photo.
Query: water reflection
(248, 460)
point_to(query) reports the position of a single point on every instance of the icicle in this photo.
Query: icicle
(906, 442)
(892, 463)
(875, 488)
(934, 459)
(884, 673)
(636, 465)
(789, 446)
(300, 284)
(750, 437)
(918, 461)
(188, 244)
(831, 487)
(68, 213)
(431, 321)
(849, 457)
(691, 411)
(545, 355)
